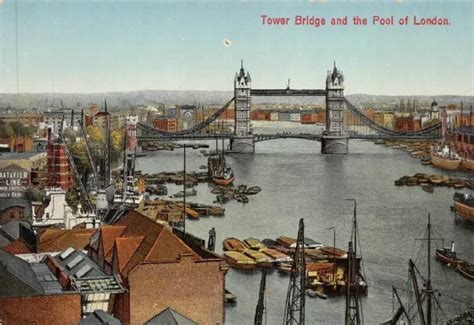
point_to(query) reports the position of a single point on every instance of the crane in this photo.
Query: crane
(295, 299)
(73, 166)
(261, 300)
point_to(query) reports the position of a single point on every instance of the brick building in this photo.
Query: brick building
(31, 294)
(260, 115)
(60, 173)
(17, 144)
(463, 142)
(308, 117)
(98, 119)
(28, 160)
(159, 270)
(14, 209)
(166, 124)
(407, 124)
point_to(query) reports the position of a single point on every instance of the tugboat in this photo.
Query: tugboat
(219, 171)
(447, 255)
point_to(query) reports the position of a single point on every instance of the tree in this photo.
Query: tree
(73, 199)
(116, 143)
(18, 128)
(78, 152)
(34, 194)
(6, 131)
(95, 134)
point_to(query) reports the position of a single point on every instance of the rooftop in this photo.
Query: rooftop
(135, 239)
(55, 240)
(86, 275)
(465, 129)
(99, 317)
(9, 202)
(170, 317)
(20, 155)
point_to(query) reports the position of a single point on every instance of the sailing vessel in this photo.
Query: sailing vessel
(219, 171)
(425, 296)
(463, 207)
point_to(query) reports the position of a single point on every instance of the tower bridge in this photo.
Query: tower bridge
(340, 116)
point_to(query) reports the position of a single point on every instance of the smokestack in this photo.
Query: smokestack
(452, 247)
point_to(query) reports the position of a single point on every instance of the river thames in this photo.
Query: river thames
(297, 181)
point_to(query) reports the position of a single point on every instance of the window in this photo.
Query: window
(12, 214)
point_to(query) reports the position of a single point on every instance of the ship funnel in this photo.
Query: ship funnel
(452, 246)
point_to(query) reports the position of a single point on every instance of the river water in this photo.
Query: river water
(299, 182)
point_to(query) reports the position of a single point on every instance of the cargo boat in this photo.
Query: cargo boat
(463, 207)
(234, 244)
(260, 258)
(332, 251)
(467, 164)
(466, 269)
(239, 261)
(254, 243)
(277, 256)
(446, 159)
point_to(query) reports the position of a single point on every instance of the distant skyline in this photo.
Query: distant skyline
(108, 46)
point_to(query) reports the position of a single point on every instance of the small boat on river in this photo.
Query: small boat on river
(239, 260)
(466, 269)
(254, 243)
(448, 256)
(260, 258)
(189, 192)
(234, 244)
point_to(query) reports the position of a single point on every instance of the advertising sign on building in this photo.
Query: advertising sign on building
(14, 180)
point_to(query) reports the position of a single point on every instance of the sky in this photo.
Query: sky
(83, 46)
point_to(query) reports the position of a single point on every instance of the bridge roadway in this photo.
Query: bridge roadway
(287, 92)
(305, 136)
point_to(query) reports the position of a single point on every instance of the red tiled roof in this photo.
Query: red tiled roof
(158, 243)
(125, 247)
(99, 114)
(55, 240)
(168, 247)
(108, 235)
(17, 247)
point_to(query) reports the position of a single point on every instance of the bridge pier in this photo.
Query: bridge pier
(243, 144)
(333, 144)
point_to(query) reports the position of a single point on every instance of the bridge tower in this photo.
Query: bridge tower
(334, 139)
(243, 139)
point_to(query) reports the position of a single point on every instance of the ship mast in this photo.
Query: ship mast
(429, 291)
(353, 314)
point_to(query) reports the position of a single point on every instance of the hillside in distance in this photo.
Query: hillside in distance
(128, 99)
